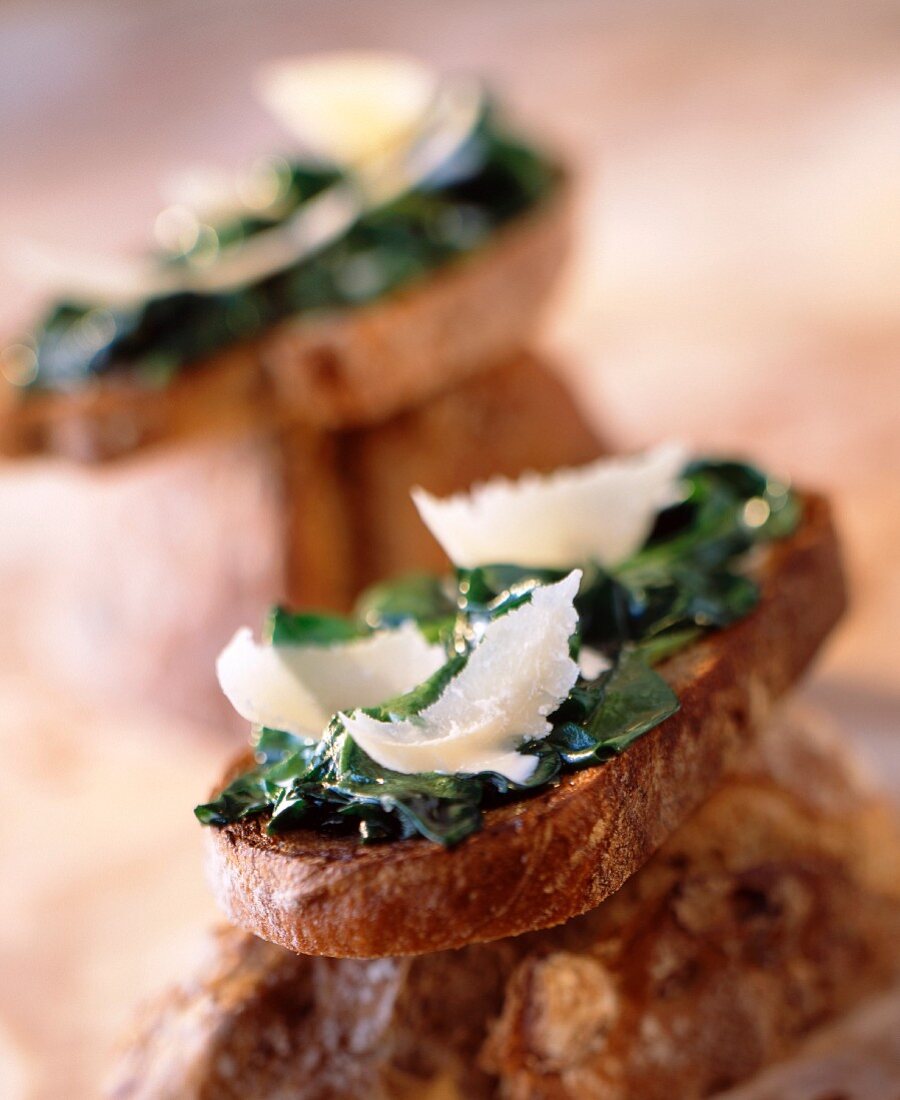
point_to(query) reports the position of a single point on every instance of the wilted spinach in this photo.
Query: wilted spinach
(491, 179)
(687, 579)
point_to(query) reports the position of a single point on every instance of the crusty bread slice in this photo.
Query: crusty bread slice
(337, 369)
(114, 417)
(774, 908)
(542, 861)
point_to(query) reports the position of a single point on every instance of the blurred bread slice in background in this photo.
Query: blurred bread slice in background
(331, 368)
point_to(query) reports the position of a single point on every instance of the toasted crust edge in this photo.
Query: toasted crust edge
(539, 862)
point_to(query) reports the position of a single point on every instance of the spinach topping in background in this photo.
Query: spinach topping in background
(491, 179)
(685, 580)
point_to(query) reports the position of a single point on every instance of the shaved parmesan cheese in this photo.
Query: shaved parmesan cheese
(119, 281)
(517, 675)
(601, 512)
(210, 194)
(299, 688)
(348, 107)
(591, 663)
(92, 277)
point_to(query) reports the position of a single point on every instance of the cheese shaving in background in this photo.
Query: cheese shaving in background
(86, 276)
(517, 675)
(352, 109)
(299, 688)
(601, 512)
(592, 663)
(348, 107)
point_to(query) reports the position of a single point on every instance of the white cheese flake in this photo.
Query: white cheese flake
(602, 512)
(591, 663)
(299, 688)
(387, 119)
(347, 107)
(517, 675)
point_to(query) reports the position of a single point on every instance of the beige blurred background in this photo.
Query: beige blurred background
(737, 284)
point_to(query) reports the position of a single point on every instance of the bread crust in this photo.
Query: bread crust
(115, 416)
(341, 368)
(539, 862)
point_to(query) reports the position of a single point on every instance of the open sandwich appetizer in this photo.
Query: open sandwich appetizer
(471, 756)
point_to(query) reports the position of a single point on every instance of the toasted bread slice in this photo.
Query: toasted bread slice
(542, 861)
(771, 910)
(343, 368)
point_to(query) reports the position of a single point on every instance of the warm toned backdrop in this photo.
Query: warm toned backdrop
(736, 284)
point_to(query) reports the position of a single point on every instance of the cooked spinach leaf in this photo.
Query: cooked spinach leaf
(490, 180)
(310, 628)
(336, 785)
(685, 581)
(425, 599)
(618, 707)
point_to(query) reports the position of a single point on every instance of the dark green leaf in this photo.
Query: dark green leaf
(272, 746)
(421, 597)
(248, 794)
(635, 699)
(617, 708)
(309, 628)
(685, 581)
(662, 646)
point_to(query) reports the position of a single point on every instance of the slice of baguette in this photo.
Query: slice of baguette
(337, 369)
(542, 861)
(773, 909)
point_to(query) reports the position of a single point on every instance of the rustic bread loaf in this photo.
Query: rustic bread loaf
(774, 908)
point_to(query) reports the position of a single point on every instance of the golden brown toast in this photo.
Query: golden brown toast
(541, 861)
(774, 908)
